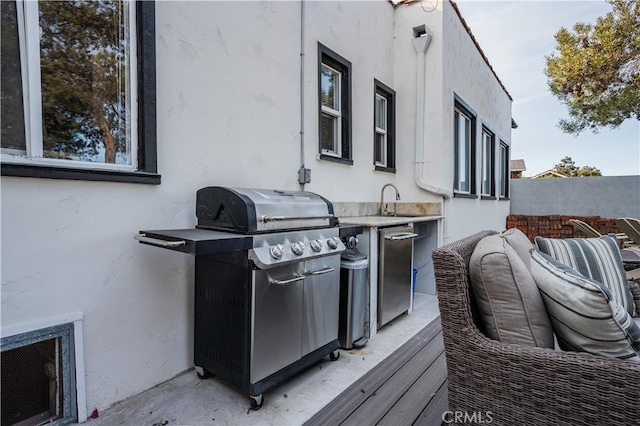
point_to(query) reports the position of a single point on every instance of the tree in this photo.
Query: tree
(82, 66)
(595, 70)
(567, 167)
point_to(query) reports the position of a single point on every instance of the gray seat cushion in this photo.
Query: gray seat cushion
(520, 243)
(507, 297)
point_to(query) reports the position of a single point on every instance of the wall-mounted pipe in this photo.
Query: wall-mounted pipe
(304, 175)
(421, 43)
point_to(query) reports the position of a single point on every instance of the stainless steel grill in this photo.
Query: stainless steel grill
(267, 283)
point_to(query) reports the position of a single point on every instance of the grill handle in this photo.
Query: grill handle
(266, 219)
(285, 282)
(157, 242)
(321, 271)
(401, 236)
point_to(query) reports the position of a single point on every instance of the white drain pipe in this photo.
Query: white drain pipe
(421, 44)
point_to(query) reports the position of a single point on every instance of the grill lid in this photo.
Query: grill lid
(250, 211)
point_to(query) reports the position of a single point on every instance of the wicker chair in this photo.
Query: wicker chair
(522, 385)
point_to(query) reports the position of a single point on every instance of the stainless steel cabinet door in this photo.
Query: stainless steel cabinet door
(395, 272)
(276, 310)
(321, 303)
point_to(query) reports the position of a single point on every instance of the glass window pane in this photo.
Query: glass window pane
(330, 88)
(486, 164)
(503, 171)
(380, 149)
(328, 132)
(464, 154)
(381, 112)
(12, 108)
(86, 112)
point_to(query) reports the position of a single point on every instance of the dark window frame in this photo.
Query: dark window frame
(492, 166)
(461, 107)
(147, 172)
(390, 94)
(505, 172)
(329, 57)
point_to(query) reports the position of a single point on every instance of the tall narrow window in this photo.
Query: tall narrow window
(504, 170)
(331, 117)
(488, 169)
(334, 95)
(380, 143)
(464, 137)
(70, 85)
(384, 149)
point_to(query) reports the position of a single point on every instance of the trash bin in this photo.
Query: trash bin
(353, 295)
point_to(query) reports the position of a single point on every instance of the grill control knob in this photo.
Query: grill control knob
(316, 245)
(298, 248)
(276, 251)
(333, 242)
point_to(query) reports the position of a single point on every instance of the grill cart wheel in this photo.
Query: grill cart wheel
(202, 373)
(333, 356)
(255, 401)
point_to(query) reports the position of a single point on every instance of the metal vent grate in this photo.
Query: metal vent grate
(38, 383)
(31, 383)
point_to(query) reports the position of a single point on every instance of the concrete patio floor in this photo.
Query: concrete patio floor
(186, 400)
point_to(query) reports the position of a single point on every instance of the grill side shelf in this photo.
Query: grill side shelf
(195, 241)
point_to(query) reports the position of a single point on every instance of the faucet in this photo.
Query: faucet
(382, 198)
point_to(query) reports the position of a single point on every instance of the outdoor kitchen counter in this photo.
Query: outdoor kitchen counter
(382, 221)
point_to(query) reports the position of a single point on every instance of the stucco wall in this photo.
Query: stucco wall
(604, 196)
(467, 75)
(228, 114)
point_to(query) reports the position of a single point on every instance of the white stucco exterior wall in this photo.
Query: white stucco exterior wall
(228, 114)
(467, 75)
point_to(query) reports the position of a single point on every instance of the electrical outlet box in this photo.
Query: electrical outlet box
(304, 175)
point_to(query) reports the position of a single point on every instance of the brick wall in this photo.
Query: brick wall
(557, 226)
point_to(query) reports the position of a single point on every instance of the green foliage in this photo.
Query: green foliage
(595, 69)
(83, 78)
(567, 167)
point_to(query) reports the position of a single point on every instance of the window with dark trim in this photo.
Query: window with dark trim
(464, 135)
(504, 170)
(334, 106)
(487, 184)
(384, 126)
(94, 118)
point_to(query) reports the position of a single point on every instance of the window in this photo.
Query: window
(334, 95)
(78, 90)
(488, 169)
(504, 170)
(464, 150)
(384, 146)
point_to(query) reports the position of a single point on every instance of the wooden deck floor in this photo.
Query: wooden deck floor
(408, 388)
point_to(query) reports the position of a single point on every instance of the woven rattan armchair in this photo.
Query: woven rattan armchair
(522, 385)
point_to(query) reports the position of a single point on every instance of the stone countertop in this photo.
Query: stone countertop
(380, 221)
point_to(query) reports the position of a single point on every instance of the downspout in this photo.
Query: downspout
(304, 174)
(421, 43)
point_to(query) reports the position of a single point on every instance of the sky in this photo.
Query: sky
(515, 36)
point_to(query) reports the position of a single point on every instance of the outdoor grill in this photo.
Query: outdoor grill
(266, 283)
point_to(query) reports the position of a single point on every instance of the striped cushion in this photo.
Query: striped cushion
(595, 258)
(584, 315)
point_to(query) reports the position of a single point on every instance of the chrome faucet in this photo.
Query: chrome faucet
(382, 199)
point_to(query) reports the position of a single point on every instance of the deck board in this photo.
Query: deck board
(399, 390)
(409, 407)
